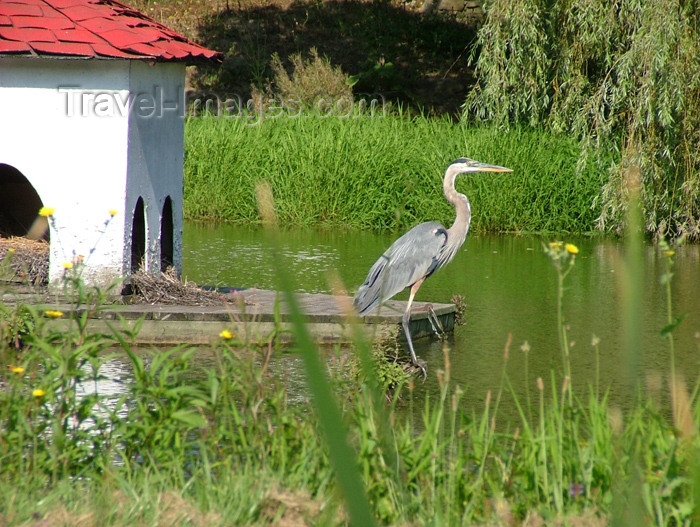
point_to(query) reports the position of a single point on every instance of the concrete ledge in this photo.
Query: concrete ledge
(253, 315)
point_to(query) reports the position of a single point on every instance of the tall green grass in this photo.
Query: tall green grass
(223, 445)
(384, 173)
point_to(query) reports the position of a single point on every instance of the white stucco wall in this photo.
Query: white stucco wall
(156, 152)
(79, 131)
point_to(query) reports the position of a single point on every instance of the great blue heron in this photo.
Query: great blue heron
(420, 252)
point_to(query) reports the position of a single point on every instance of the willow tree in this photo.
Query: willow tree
(621, 75)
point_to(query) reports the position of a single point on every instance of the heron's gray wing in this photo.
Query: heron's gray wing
(413, 256)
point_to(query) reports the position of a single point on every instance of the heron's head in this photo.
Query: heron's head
(464, 164)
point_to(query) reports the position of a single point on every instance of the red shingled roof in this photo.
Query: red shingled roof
(91, 29)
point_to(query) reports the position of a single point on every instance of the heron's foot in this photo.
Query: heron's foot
(416, 366)
(435, 323)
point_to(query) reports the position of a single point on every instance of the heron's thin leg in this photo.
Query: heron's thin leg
(406, 329)
(405, 321)
(435, 322)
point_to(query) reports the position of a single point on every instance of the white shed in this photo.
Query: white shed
(92, 107)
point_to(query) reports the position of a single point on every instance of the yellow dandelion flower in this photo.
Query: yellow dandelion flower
(53, 314)
(67, 265)
(113, 212)
(669, 253)
(555, 245)
(38, 393)
(18, 370)
(571, 248)
(46, 212)
(11, 250)
(226, 334)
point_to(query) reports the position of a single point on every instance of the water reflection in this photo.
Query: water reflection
(242, 257)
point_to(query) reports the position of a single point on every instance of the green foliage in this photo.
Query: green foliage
(384, 172)
(15, 325)
(223, 443)
(209, 436)
(49, 416)
(617, 77)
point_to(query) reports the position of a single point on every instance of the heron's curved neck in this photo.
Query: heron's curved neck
(460, 227)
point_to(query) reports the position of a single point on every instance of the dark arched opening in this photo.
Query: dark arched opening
(138, 236)
(166, 235)
(19, 206)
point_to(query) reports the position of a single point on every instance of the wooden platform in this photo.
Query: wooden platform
(253, 315)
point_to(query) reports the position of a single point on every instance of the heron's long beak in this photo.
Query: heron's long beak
(483, 167)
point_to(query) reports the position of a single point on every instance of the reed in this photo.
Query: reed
(384, 172)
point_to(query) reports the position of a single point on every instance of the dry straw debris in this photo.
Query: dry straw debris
(289, 508)
(24, 259)
(27, 260)
(167, 288)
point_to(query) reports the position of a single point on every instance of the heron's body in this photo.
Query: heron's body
(404, 263)
(421, 251)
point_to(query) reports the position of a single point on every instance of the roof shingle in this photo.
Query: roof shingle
(91, 29)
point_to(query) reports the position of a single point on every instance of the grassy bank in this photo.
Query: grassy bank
(384, 173)
(229, 450)
(222, 444)
(225, 447)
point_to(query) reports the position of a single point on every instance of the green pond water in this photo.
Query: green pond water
(509, 286)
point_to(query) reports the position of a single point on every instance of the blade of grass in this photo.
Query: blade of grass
(343, 458)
